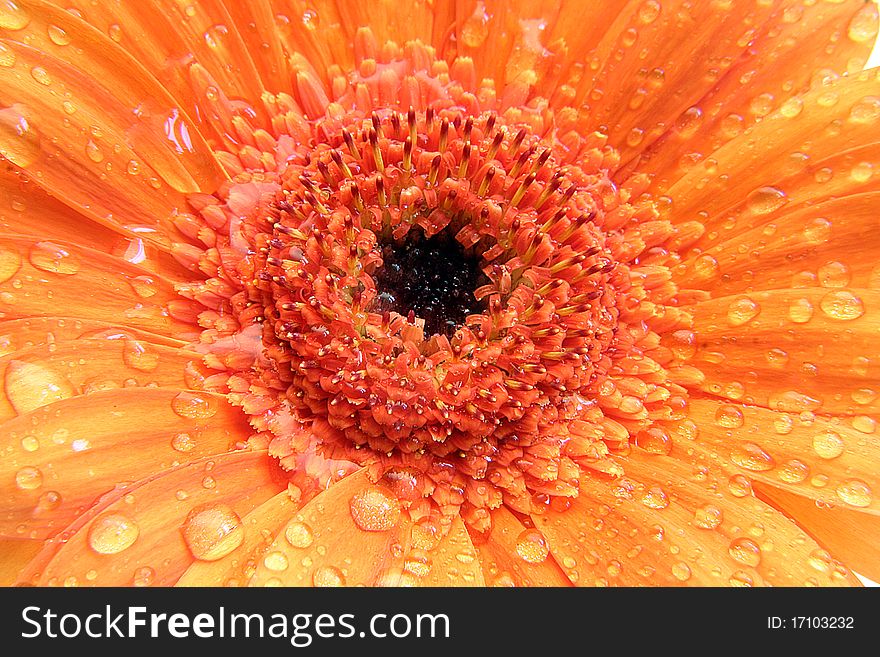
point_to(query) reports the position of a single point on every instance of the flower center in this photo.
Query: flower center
(430, 277)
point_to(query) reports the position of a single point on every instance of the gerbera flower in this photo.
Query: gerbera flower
(439, 293)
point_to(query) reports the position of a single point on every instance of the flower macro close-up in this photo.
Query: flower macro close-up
(439, 293)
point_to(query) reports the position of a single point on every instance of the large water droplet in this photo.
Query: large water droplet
(54, 258)
(29, 478)
(855, 493)
(751, 457)
(800, 311)
(10, 263)
(137, 355)
(276, 561)
(20, 142)
(708, 517)
(765, 200)
(828, 444)
(729, 416)
(12, 17)
(742, 311)
(328, 576)
(299, 535)
(745, 551)
(212, 531)
(531, 546)
(375, 509)
(112, 533)
(193, 405)
(58, 35)
(842, 305)
(30, 386)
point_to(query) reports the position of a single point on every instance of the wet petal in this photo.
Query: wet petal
(828, 460)
(41, 276)
(799, 47)
(667, 522)
(63, 456)
(513, 554)
(806, 349)
(84, 366)
(850, 537)
(322, 541)
(133, 536)
(16, 334)
(260, 526)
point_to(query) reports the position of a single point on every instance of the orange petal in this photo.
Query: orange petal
(453, 562)
(827, 244)
(321, 545)
(513, 554)
(18, 334)
(113, 88)
(799, 47)
(61, 457)
(852, 537)
(807, 349)
(772, 169)
(832, 461)
(236, 568)
(667, 522)
(137, 535)
(659, 59)
(14, 556)
(26, 209)
(37, 277)
(32, 377)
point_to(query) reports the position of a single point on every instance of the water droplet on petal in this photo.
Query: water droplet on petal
(58, 35)
(112, 533)
(276, 561)
(30, 386)
(842, 305)
(765, 200)
(30, 444)
(29, 478)
(138, 356)
(855, 493)
(655, 498)
(751, 457)
(739, 486)
(328, 576)
(212, 531)
(12, 17)
(41, 75)
(94, 152)
(800, 311)
(708, 517)
(742, 311)
(299, 535)
(375, 509)
(681, 571)
(729, 416)
(21, 142)
(865, 111)
(793, 471)
(828, 444)
(144, 576)
(10, 263)
(745, 551)
(193, 405)
(54, 258)
(532, 547)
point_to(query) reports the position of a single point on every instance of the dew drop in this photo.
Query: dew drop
(58, 36)
(739, 486)
(681, 571)
(183, 442)
(842, 305)
(375, 509)
(41, 75)
(765, 200)
(729, 416)
(53, 258)
(94, 152)
(143, 286)
(742, 311)
(828, 444)
(299, 535)
(745, 551)
(865, 111)
(328, 576)
(112, 533)
(30, 386)
(475, 29)
(793, 471)
(21, 142)
(833, 274)
(531, 546)
(741, 579)
(30, 444)
(144, 576)
(855, 493)
(708, 517)
(29, 478)
(655, 498)
(138, 356)
(7, 57)
(276, 561)
(193, 405)
(212, 531)
(10, 263)
(800, 311)
(751, 456)
(12, 17)
(654, 440)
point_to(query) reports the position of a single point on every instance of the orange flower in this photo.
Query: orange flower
(439, 293)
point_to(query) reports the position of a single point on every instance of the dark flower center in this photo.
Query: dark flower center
(431, 277)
